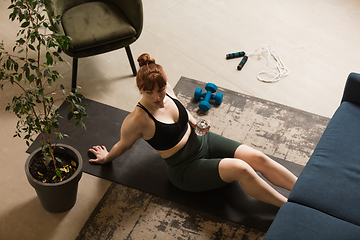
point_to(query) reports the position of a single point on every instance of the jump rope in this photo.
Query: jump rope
(273, 74)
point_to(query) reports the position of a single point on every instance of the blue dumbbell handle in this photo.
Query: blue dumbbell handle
(208, 96)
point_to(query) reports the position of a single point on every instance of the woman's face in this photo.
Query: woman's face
(155, 97)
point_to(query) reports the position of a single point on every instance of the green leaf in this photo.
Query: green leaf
(16, 66)
(59, 160)
(47, 159)
(49, 59)
(52, 29)
(70, 116)
(48, 55)
(25, 24)
(59, 136)
(62, 89)
(58, 172)
(21, 41)
(8, 64)
(55, 125)
(39, 74)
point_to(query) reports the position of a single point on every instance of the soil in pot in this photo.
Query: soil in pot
(64, 169)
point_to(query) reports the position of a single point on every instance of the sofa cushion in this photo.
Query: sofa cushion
(330, 182)
(297, 222)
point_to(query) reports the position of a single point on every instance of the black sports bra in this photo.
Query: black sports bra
(167, 135)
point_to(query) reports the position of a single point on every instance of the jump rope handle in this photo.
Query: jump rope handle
(235, 55)
(242, 63)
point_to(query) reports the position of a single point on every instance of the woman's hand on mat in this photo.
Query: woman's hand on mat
(100, 153)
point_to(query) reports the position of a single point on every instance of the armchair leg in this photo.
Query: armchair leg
(131, 60)
(74, 74)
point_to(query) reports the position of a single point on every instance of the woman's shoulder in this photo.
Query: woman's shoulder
(170, 91)
(138, 117)
(137, 122)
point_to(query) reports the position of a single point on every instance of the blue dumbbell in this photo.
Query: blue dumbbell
(204, 104)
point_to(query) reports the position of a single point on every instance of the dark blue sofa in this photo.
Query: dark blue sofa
(325, 201)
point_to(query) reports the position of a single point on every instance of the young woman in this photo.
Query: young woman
(194, 163)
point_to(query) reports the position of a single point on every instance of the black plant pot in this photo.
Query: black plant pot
(57, 197)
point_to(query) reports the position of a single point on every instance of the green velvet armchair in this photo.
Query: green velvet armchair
(98, 27)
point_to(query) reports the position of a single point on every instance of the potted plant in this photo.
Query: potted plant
(30, 67)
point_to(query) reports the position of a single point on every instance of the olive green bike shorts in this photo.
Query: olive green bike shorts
(195, 167)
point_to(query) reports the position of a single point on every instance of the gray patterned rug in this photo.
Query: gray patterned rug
(127, 213)
(274, 129)
(277, 130)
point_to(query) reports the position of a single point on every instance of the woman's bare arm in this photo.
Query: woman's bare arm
(131, 131)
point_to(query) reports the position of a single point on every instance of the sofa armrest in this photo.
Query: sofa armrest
(352, 89)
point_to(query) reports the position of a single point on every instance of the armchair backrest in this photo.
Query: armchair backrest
(132, 9)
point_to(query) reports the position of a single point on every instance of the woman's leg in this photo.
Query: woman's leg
(271, 170)
(231, 170)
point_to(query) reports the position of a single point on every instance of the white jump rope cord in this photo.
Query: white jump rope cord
(277, 72)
